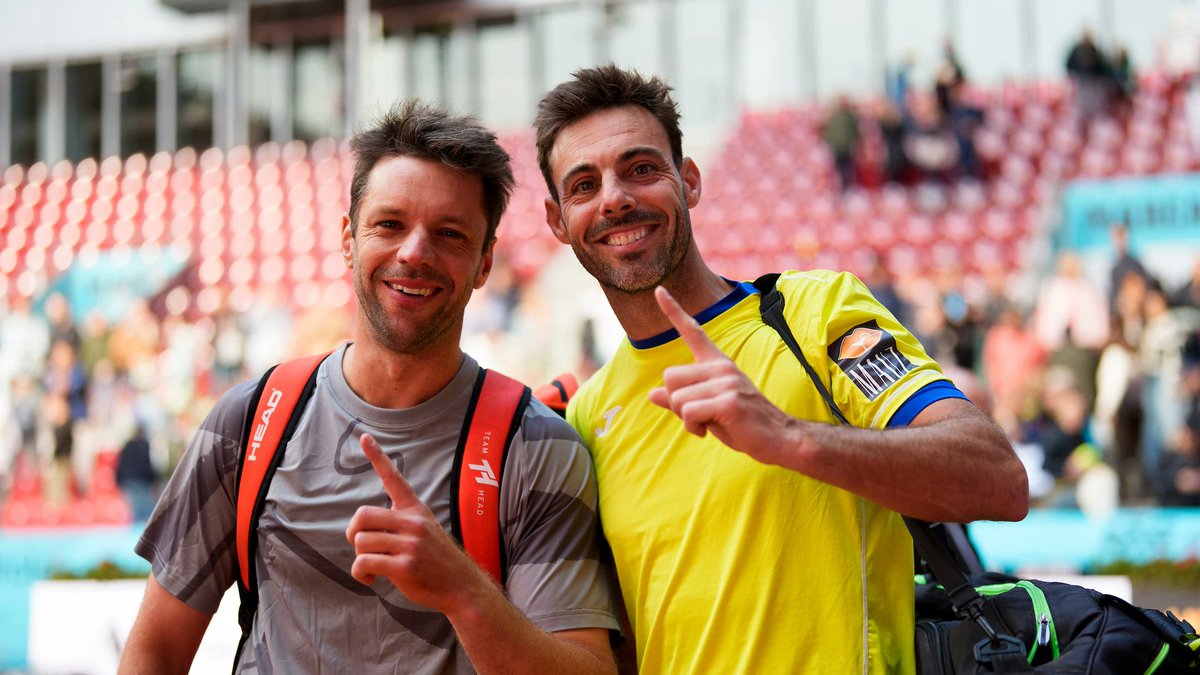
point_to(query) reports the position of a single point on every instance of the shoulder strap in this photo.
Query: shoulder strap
(493, 416)
(281, 395)
(997, 648)
(771, 307)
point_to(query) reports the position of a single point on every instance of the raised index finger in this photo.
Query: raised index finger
(703, 348)
(397, 488)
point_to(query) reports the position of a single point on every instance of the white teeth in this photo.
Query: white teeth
(412, 291)
(628, 237)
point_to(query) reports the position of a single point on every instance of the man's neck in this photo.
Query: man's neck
(385, 379)
(694, 287)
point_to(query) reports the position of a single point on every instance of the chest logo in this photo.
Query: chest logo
(869, 356)
(608, 420)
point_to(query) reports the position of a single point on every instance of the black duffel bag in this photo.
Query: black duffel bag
(1032, 626)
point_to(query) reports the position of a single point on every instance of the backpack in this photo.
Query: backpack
(495, 409)
(995, 624)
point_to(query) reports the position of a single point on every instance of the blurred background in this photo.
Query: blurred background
(1018, 180)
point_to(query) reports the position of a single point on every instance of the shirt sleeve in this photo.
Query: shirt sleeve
(189, 540)
(556, 576)
(873, 363)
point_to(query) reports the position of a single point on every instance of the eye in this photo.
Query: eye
(585, 185)
(643, 169)
(389, 224)
(452, 234)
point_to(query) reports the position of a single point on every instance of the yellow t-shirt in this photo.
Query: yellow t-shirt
(728, 565)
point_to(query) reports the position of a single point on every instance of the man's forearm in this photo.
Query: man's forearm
(957, 466)
(500, 640)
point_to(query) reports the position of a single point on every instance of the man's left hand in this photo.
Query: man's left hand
(714, 395)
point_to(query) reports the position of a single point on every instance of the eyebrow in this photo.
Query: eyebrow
(623, 157)
(399, 214)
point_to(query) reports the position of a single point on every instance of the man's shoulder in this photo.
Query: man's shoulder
(232, 407)
(540, 423)
(821, 293)
(814, 281)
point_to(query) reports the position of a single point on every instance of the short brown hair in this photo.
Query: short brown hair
(592, 89)
(417, 129)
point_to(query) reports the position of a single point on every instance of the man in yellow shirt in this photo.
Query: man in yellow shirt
(751, 533)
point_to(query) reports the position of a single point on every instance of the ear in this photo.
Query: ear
(485, 266)
(554, 220)
(347, 241)
(690, 173)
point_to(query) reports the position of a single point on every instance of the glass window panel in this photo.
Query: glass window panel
(83, 125)
(506, 95)
(267, 92)
(990, 42)
(916, 30)
(430, 64)
(139, 103)
(386, 81)
(568, 37)
(772, 52)
(197, 73)
(1057, 27)
(634, 33)
(28, 100)
(843, 37)
(319, 91)
(702, 78)
(1140, 27)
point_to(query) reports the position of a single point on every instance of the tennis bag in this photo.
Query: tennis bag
(996, 624)
(1057, 628)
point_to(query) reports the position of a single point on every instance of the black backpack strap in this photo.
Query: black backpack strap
(998, 649)
(1181, 644)
(771, 308)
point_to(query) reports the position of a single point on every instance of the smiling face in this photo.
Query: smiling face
(417, 251)
(623, 204)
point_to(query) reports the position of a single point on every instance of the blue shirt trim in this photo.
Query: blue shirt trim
(934, 391)
(740, 291)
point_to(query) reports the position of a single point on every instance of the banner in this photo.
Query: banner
(1158, 210)
(116, 279)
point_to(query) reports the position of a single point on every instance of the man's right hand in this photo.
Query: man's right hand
(407, 545)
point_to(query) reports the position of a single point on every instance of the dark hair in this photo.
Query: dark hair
(417, 129)
(600, 88)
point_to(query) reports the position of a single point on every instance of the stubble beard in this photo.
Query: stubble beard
(419, 337)
(639, 272)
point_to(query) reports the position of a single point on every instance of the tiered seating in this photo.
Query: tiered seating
(101, 504)
(244, 220)
(771, 200)
(269, 217)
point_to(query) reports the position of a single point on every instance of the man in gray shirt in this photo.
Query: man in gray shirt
(355, 569)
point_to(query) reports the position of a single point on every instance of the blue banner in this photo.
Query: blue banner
(115, 280)
(1157, 210)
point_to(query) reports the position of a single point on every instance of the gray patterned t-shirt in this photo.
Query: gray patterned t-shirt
(312, 615)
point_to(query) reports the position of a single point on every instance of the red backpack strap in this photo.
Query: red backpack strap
(281, 390)
(557, 393)
(493, 415)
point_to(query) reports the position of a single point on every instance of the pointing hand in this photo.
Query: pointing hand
(713, 394)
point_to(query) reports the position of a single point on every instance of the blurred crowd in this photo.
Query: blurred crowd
(75, 391)
(1098, 387)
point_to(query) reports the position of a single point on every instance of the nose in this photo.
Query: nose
(416, 248)
(615, 199)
